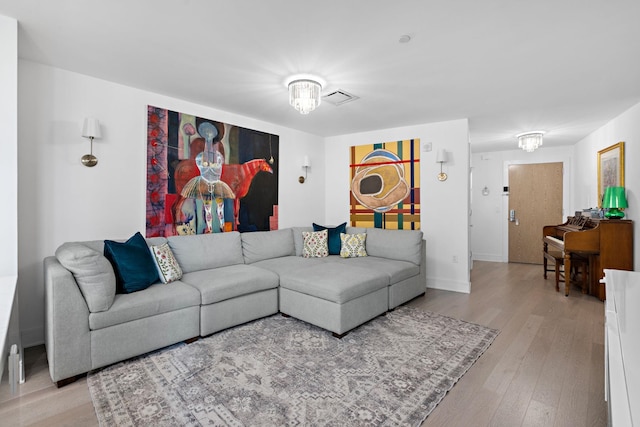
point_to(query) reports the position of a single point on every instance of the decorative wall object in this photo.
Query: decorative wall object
(205, 176)
(610, 168)
(385, 185)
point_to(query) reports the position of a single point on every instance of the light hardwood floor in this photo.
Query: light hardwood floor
(546, 368)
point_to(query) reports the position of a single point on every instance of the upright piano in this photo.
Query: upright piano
(606, 243)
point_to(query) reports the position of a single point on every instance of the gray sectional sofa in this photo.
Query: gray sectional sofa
(228, 279)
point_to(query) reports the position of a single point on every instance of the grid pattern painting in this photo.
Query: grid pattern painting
(385, 185)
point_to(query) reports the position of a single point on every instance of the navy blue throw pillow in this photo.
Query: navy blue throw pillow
(132, 263)
(334, 236)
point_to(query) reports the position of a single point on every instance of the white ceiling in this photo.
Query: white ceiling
(563, 66)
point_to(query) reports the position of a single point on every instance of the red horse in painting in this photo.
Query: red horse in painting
(239, 178)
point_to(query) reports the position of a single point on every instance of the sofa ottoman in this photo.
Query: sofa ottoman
(334, 296)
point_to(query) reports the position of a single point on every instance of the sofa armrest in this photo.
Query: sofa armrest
(67, 335)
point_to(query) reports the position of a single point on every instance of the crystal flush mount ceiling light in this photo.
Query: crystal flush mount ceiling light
(530, 141)
(304, 93)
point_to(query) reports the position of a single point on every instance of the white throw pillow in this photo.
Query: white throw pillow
(315, 244)
(353, 245)
(168, 268)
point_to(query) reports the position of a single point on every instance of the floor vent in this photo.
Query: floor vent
(339, 97)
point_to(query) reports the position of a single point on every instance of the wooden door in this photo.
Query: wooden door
(535, 194)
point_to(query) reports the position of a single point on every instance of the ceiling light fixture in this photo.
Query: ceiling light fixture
(304, 95)
(529, 141)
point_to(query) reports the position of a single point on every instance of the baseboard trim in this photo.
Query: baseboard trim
(487, 257)
(449, 285)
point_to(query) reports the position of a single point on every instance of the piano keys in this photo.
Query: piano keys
(606, 243)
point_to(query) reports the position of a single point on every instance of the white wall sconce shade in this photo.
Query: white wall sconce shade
(304, 95)
(530, 141)
(91, 130)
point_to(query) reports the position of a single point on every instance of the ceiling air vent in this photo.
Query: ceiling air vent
(339, 97)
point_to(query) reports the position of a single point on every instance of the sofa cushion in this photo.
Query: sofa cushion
(132, 262)
(315, 244)
(206, 251)
(229, 282)
(353, 245)
(334, 236)
(356, 230)
(93, 274)
(396, 271)
(168, 268)
(337, 282)
(154, 300)
(260, 245)
(402, 245)
(289, 263)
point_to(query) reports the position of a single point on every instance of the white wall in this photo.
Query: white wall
(489, 221)
(625, 127)
(444, 205)
(61, 200)
(9, 145)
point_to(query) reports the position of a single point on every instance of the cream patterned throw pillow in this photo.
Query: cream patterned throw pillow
(168, 268)
(353, 245)
(316, 244)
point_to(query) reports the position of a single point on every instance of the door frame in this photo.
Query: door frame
(566, 194)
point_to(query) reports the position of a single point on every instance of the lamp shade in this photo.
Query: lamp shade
(91, 128)
(442, 156)
(614, 200)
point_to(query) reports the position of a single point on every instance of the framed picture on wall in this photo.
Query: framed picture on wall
(610, 168)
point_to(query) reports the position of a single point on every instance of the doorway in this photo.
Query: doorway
(535, 198)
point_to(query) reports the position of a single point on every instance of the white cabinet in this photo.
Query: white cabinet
(622, 347)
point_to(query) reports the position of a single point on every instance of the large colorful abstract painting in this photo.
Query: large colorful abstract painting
(385, 185)
(205, 176)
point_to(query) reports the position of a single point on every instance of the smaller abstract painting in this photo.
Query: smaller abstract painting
(385, 185)
(610, 168)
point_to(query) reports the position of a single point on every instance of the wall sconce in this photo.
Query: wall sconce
(441, 158)
(305, 165)
(91, 130)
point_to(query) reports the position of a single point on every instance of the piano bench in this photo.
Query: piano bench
(578, 265)
(557, 257)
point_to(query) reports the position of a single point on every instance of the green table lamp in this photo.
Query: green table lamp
(614, 200)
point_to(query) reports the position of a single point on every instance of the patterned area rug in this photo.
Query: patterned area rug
(277, 371)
